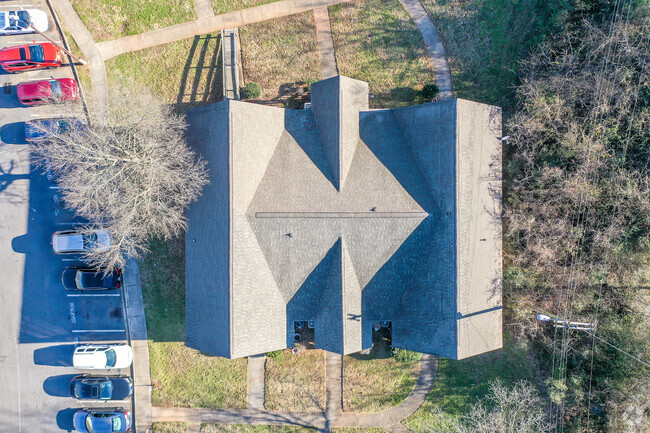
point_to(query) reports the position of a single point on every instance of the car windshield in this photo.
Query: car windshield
(117, 423)
(23, 16)
(36, 53)
(64, 125)
(89, 424)
(56, 89)
(111, 358)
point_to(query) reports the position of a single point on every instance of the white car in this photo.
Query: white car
(75, 242)
(102, 356)
(16, 22)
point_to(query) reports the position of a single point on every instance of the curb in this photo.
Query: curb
(136, 327)
(73, 66)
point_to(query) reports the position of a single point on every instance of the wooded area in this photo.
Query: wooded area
(577, 216)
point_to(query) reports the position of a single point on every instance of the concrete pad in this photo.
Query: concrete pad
(277, 9)
(205, 25)
(232, 20)
(155, 37)
(251, 15)
(132, 43)
(213, 24)
(302, 5)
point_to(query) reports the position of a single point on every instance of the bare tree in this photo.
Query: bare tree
(507, 410)
(129, 172)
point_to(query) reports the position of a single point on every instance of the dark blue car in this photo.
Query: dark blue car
(87, 387)
(38, 130)
(102, 420)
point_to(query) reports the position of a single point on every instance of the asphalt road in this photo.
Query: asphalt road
(40, 321)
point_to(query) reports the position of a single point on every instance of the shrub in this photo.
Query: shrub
(275, 354)
(251, 90)
(403, 355)
(429, 91)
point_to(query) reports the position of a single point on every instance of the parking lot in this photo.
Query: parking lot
(41, 322)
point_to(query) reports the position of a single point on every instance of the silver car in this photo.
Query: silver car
(75, 242)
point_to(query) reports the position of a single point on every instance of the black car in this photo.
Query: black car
(86, 387)
(91, 279)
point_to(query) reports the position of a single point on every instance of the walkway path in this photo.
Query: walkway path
(333, 386)
(434, 45)
(137, 327)
(84, 40)
(203, 8)
(325, 43)
(388, 419)
(256, 381)
(209, 25)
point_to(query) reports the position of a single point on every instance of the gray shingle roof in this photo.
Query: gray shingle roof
(344, 216)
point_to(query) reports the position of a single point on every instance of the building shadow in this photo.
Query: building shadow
(202, 79)
(58, 386)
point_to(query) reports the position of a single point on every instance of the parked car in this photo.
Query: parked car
(32, 56)
(90, 279)
(75, 242)
(16, 22)
(102, 356)
(102, 420)
(55, 91)
(37, 130)
(87, 387)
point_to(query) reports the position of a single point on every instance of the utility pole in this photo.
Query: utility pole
(61, 47)
(559, 323)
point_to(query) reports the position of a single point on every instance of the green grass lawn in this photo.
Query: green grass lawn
(169, 427)
(223, 6)
(184, 73)
(358, 430)
(486, 39)
(244, 428)
(296, 382)
(376, 382)
(459, 384)
(376, 41)
(113, 19)
(182, 376)
(282, 56)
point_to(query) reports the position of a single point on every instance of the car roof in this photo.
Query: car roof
(41, 89)
(67, 242)
(89, 359)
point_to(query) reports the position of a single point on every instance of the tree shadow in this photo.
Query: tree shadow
(201, 81)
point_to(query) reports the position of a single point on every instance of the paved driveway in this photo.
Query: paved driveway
(41, 322)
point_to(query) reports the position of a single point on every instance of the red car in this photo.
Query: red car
(47, 91)
(33, 56)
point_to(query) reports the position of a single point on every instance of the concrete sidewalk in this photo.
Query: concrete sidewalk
(206, 25)
(92, 54)
(137, 331)
(325, 43)
(256, 370)
(434, 45)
